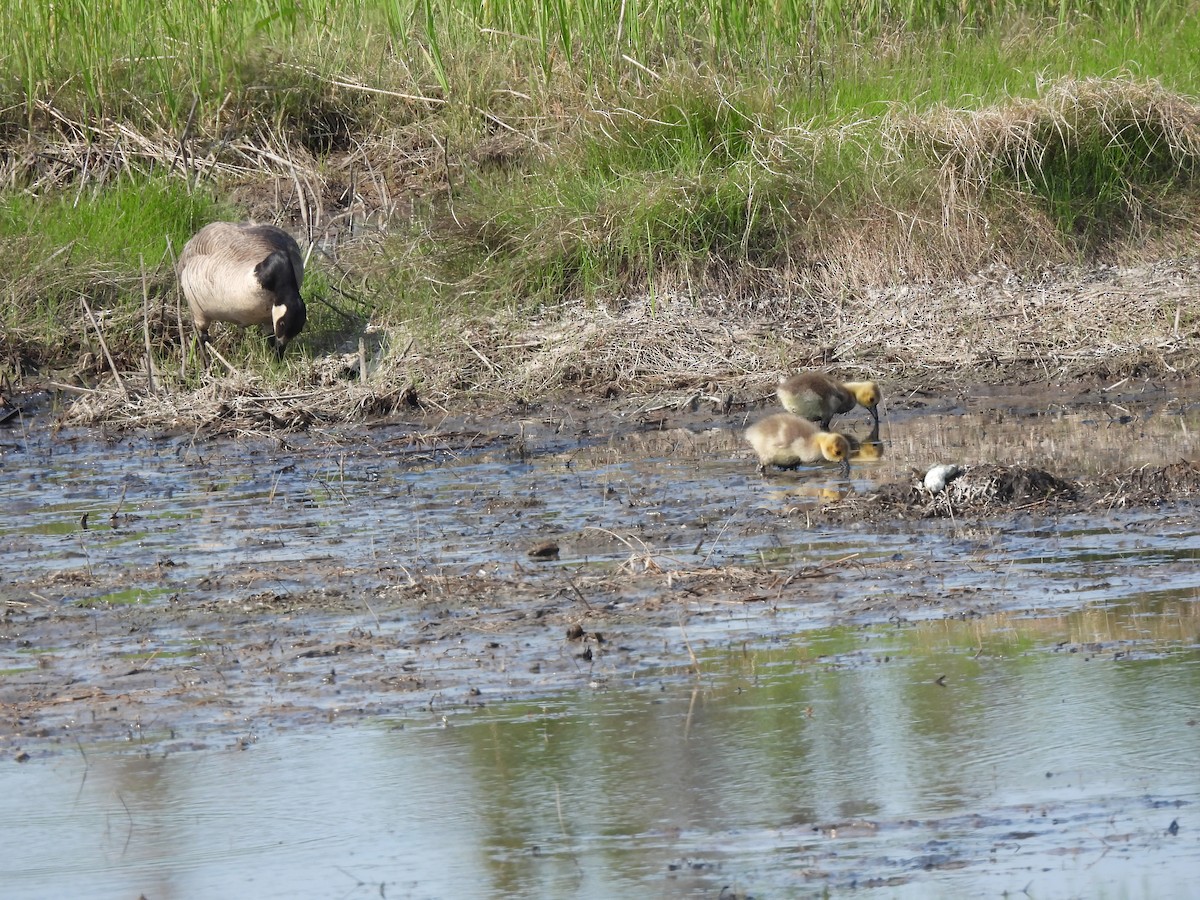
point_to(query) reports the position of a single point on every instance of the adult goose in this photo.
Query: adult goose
(244, 274)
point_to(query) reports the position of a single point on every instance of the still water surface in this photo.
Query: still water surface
(1054, 754)
(937, 760)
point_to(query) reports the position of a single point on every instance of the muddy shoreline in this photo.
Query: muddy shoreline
(173, 653)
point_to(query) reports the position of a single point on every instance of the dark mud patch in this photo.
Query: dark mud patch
(977, 490)
(203, 670)
(989, 490)
(1149, 485)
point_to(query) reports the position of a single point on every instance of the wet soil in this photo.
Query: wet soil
(174, 594)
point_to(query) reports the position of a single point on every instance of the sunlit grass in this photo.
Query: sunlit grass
(548, 150)
(156, 61)
(93, 245)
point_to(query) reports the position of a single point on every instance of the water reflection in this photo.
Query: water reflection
(1005, 754)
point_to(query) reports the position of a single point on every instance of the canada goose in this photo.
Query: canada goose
(819, 398)
(246, 275)
(786, 441)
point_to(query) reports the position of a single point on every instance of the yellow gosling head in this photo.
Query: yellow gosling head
(835, 448)
(866, 393)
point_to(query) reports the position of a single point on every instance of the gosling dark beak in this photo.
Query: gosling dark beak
(875, 418)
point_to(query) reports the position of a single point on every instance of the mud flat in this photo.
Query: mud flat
(171, 592)
(495, 588)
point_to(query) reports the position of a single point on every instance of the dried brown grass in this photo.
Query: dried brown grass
(997, 327)
(240, 402)
(1118, 136)
(982, 291)
(1149, 484)
(1019, 135)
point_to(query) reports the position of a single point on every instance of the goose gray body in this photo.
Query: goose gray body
(245, 275)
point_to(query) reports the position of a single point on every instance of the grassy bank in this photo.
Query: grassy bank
(454, 161)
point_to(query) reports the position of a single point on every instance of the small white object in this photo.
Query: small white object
(939, 476)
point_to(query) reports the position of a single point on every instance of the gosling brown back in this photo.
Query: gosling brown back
(787, 441)
(245, 275)
(819, 398)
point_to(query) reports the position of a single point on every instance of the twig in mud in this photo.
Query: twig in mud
(120, 503)
(412, 582)
(820, 571)
(648, 561)
(103, 345)
(716, 540)
(36, 596)
(578, 593)
(685, 402)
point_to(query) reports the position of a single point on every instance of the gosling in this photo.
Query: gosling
(819, 398)
(245, 275)
(786, 441)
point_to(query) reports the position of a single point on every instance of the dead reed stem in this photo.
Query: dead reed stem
(215, 352)
(151, 377)
(104, 346)
(183, 354)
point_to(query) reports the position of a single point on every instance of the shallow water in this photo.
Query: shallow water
(1049, 748)
(937, 760)
(411, 496)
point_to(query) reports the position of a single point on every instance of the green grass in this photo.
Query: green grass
(149, 63)
(546, 149)
(111, 226)
(90, 244)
